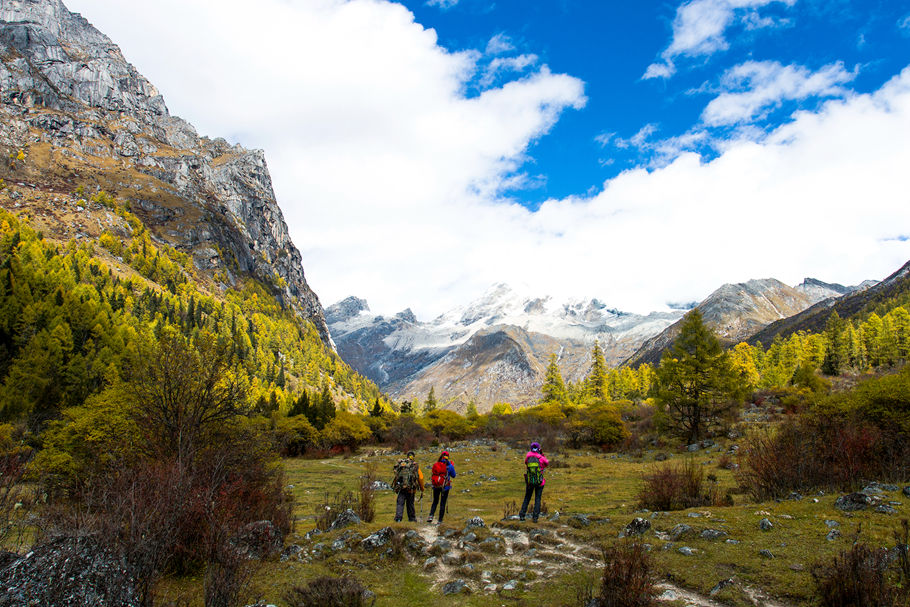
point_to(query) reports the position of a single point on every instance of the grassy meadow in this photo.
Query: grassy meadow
(604, 487)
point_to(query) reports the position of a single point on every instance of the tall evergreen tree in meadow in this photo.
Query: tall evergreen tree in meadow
(431, 403)
(553, 388)
(697, 386)
(597, 382)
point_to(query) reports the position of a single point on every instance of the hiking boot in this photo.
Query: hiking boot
(521, 518)
(429, 520)
(534, 519)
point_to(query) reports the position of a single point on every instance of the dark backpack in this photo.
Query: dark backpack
(534, 475)
(440, 473)
(406, 476)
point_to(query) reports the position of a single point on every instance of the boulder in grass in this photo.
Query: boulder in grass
(378, 539)
(456, 587)
(638, 526)
(854, 501)
(348, 517)
(765, 525)
(474, 522)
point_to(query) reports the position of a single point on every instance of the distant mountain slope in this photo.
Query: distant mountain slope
(863, 299)
(737, 311)
(80, 115)
(495, 347)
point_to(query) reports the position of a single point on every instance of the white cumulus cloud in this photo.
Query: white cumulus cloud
(700, 25)
(752, 88)
(391, 176)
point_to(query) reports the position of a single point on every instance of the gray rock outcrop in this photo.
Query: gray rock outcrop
(83, 114)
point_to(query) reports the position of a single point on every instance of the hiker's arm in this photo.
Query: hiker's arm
(451, 470)
(544, 462)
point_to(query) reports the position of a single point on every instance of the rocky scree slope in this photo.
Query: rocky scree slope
(737, 311)
(82, 115)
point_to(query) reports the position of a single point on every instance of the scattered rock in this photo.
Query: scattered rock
(489, 588)
(290, 551)
(765, 525)
(470, 537)
(578, 521)
(906, 491)
(475, 522)
(638, 526)
(794, 496)
(69, 571)
(797, 567)
(765, 554)
(831, 523)
(377, 539)
(731, 542)
(686, 551)
(431, 562)
(853, 501)
(510, 585)
(348, 517)
(381, 486)
(456, 587)
(679, 531)
(713, 534)
(832, 535)
(885, 509)
(259, 540)
(452, 558)
(693, 447)
(721, 585)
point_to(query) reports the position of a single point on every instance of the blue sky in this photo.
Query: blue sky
(636, 152)
(609, 45)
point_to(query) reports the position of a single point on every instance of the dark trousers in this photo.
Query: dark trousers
(440, 497)
(405, 498)
(537, 491)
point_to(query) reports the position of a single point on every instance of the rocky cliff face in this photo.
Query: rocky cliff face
(82, 115)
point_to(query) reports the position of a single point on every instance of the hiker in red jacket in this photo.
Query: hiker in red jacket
(442, 474)
(535, 464)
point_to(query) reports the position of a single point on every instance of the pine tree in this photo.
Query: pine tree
(597, 381)
(553, 388)
(697, 386)
(376, 411)
(431, 403)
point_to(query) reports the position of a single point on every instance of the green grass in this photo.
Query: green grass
(605, 487)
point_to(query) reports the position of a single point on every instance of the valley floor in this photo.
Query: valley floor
(555, 562)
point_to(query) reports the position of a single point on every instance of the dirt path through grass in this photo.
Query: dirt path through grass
(549, 553)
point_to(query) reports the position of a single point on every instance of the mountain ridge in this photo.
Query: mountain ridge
(81, 115)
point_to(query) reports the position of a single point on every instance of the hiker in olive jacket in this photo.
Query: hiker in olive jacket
(535, 463)
(442, 474)
(407, 482)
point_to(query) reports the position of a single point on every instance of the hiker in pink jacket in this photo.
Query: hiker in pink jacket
(535, 464)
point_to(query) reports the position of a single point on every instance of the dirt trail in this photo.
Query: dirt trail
(550, 553)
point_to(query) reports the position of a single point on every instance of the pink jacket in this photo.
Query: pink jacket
(541, 458)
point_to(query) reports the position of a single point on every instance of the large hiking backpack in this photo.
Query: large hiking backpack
(440, 474)
(406, 476)
(534, 475)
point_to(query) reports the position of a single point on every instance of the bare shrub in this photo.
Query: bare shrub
(674, 487)
(858, 576)
(628, 577)
(329, 592)
(509, 508)
(806, 454)
(366, 509)
(15, 500)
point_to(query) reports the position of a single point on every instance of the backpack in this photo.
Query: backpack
(406, 477)
(534, 475)
(440, 474)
